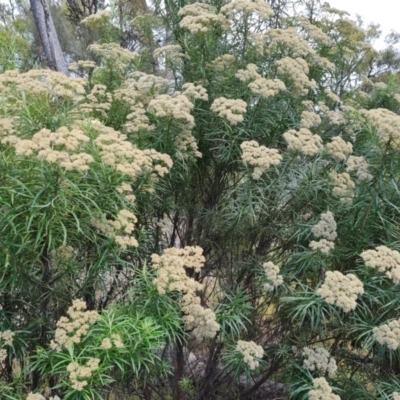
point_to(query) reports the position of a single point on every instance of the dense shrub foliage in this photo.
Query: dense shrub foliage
(207, 208)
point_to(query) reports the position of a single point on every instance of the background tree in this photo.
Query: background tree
(48, 36)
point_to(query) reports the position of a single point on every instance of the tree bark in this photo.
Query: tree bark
(48, 36)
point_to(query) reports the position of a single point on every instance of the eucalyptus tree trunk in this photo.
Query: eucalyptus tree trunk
(48, 36)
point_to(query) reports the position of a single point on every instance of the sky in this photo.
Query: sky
(384, 12)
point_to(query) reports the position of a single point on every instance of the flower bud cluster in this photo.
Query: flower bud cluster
(6, 338)
(322, 391)
(201, 18)
(107, 343)
(303, 141)
(121, 155)
(259, 157)
(115, 54)
(195, 91)
(98, 100)
(384, 260)
(387, 125)
(271, 272)
(78, 374)
(230, 109)
(319, 359)
(343, 186)
(250, 351)
(309, 119)
(177, 107)
(259, 85)
(71, 329)
(62, 147)
(171, 268)
(341, 290)
(259, 7)
(171, 52)
(338, 149)
(326, 228)
(360, 166)
(119, 229)
(37, 396)
(388, 334)
(297, 71)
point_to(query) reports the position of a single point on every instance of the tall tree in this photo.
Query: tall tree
(48, 36)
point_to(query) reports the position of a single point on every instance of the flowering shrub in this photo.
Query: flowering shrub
(186, 208)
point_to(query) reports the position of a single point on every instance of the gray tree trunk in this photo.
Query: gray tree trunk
(48, 36)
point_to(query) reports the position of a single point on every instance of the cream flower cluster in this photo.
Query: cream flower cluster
(172, 52)
(126, 190)
(303, 141)
(195, 91)
(71, 329)
(176, 107)
(297, 70)
(137, 119)
(259, 7)
(230, 109)
(259, 157)
(201, 321)
(309, 119)
(266, 87)
(319, 359)
(326, 228)
(396, 395)
(338, 149)
(248, 74)
(37, 82)
(7, 126)
(113, 53)
(78, 374)
(61, 147)
(96, 19)
(384, 260)
(322, 391)
(6, 338)
(335, 117)
(201, 17)
(37, 396)
(271, 272)
(341, 290)
(332, 96)
(387, 125)
(250, 352)
(388, 334)
(171, 268)
(81, 67)
(141, 88)
(186, 145)
(360, 166)
(224, 62)
(97, 100)
(107, 343)
(259, 85)
(288, 39)
(323, 245)
(314, 33)
(120, 229)
(121, 155)
(343, 186)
